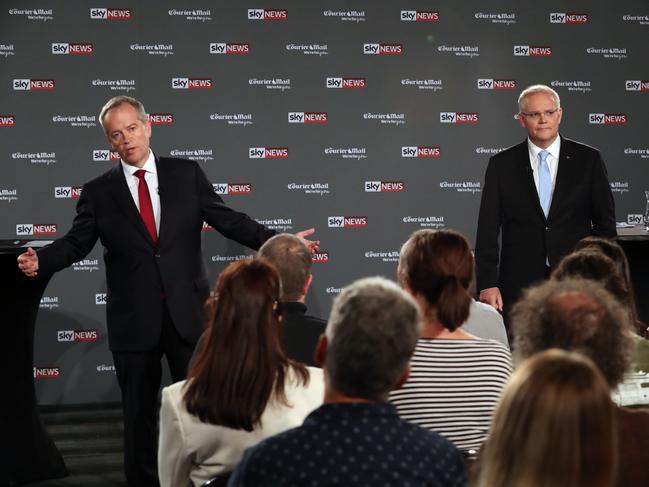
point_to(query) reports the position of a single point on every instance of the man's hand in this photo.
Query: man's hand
(28, 262)
(313, 245)
(492, 296)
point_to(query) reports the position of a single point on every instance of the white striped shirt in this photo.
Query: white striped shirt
(454, 388)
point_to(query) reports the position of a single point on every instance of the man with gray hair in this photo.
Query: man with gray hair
(540, 197)
(356, 437)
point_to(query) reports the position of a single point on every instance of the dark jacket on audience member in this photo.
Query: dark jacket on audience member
(633, 447)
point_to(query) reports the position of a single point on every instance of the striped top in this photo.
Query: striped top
(454, 388)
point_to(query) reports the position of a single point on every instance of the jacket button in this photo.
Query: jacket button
(547, 229)
(157, 256)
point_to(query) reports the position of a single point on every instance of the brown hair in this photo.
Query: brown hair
(555, 425)
(438, 265)
(292, 259)
(242, 362)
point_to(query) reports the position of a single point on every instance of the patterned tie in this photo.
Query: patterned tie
(146, 208)
(545, 182)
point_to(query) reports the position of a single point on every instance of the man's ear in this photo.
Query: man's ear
(307, 285)
(403, 378)
(321, 350)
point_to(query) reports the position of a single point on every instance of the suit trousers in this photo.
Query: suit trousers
(139, 375)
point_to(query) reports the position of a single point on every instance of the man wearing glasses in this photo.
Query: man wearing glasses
(540, 196)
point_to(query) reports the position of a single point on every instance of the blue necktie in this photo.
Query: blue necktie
(545, 182)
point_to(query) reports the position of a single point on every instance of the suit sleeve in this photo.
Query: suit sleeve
(487, 250)
(602, 204)
(75, 244)
(232, 224)
(173, 461)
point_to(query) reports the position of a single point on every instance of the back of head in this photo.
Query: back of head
(555, 425)
(610, 249)
(575, 315)
(292, 260)
(438, 265)
(242, 362)
(372, 332)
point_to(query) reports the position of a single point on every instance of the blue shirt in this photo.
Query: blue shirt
(359, 444)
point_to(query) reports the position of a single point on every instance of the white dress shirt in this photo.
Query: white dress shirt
(151, 177)
(552, 160)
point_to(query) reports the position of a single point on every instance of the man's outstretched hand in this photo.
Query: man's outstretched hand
(28, 262)
(313, 245)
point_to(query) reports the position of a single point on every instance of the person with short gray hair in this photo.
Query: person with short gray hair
(356, 437)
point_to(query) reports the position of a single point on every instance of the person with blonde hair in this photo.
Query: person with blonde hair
(554, 426)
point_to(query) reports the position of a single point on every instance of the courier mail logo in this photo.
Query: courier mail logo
(191, 83)
(496, 84)
(420, 151)
(77, 335)
(47, 372)
(267, 14)
(383, 49)
(346, 221)
(267, 152)
(36, 228)
(307, 117)
(637, 85)
(572, 18)
(419, 16)
(607, 118)
(80, 48)
(99, 155)
(7, 121)
(458, 117)
(111, 13)
(229, 48)
(232, 188)
(346, 82)
(532, 51)
(67, 192)
(33, 84)
(384, 186)
(160, 118)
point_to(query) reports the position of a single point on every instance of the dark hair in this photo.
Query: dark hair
(292, 259)
(438, 265)
(242, 362)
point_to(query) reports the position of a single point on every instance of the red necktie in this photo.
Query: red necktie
(146, 208)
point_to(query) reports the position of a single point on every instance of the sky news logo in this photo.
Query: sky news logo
(160, 118)
(232, 188)
(67, 192)
(543, 51)
(307, 117)
(346, 82)
(33, 84)
(496, 84)
(420, 151)
(84, 48)
(111, 13)
(36, 228)
(637, 85)
(47, 372)
(383, 49)
(346, 221)
(458, 117)
(568, 18)
(99, 155)
(419, 16)
(607, 118)
(101, 298)
(191, 83)
(77, 335)
(267, 152)
(7, 121)
(384, 186)
(229, 48)
(634, 219)
(267, 14)
(320, 257)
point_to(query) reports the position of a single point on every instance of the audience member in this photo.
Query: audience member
(485, 321)
(554, 426)
(580, 315)
(356, 438)
(456, 378)
(242, 387)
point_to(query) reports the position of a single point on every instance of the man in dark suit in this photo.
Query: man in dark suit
(541, 196)
(148, 213)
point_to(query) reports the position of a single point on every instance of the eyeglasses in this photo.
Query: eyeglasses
(537, 115)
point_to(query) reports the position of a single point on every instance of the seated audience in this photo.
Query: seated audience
(580, 315)
(242, 387)
(356, 438)
(456, 378)
(554, 426)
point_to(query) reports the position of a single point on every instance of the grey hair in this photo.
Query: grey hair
(120, 100)
(531, 90)
(372, 332)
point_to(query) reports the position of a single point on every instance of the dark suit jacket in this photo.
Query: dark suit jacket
(582, 205)
(139, 273)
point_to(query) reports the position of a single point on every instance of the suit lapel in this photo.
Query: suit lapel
(527, 177)
(165, 187)
(566, 172)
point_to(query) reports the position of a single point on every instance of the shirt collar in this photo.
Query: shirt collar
(553, 149)
(149, 166)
